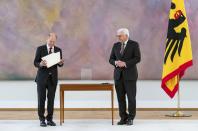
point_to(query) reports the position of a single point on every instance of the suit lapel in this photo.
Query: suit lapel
(119, 48)
(55, 49)
(45, 49)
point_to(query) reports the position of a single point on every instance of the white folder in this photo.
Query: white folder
(52, 59)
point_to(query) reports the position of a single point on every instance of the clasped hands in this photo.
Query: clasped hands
(120, 64)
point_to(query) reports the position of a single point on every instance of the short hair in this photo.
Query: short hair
(123, 31)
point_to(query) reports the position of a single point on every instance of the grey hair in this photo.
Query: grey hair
(123, 31)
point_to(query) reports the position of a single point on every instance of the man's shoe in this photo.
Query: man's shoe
(122, 122)
(129, 122)
(51, 123)
(43, 124)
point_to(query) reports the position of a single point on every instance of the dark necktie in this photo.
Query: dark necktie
(50, 51)
(122, 48)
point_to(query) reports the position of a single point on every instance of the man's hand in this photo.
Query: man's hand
(120, 64)
(43, 63)
(61, 62)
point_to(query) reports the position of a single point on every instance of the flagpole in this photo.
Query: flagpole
(178, 113)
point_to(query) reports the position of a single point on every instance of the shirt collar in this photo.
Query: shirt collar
(48, 47)
(126, 42)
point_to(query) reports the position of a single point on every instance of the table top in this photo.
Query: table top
(86, 87)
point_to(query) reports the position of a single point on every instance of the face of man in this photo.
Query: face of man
(122, 37)
(51, 40)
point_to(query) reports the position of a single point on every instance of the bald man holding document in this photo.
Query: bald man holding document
(47, 58)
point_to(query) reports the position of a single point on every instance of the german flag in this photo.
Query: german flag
(178, 52)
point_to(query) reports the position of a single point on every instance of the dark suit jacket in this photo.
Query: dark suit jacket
(43, 72)
(131, 56)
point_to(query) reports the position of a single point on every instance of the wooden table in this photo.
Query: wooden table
(85, 87)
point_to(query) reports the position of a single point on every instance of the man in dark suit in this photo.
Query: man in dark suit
(46, 80)
(124, 56)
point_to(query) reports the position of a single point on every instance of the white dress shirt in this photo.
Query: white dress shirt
(125, 43)
(48, 49)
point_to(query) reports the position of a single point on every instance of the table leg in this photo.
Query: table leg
(61, 108)
(63, 105)
(112, 106)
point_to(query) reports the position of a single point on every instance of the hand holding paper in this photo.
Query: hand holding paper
(43, 63)
(52, 59)
(61, 62)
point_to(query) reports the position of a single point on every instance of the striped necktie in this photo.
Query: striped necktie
(122, 48)
(50, 51)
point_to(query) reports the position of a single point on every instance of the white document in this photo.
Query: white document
(52, 59)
